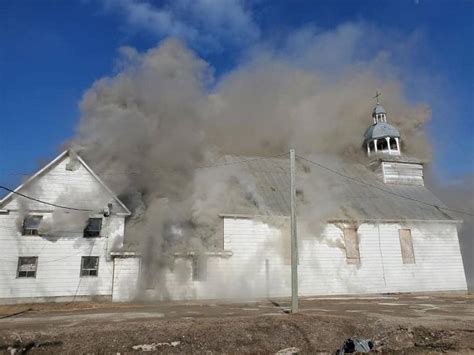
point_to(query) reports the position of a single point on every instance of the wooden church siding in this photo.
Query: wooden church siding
(126, 277)
(66, 187)
(257, 267)
(402, 173)
(438, 264)
(58, 269)
(59, 263)
(59, 257)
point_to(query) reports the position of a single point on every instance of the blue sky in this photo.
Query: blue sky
(52, 51)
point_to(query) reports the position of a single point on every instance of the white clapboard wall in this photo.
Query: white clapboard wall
(259, 265)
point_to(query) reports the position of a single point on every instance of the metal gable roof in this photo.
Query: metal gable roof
(354, 201)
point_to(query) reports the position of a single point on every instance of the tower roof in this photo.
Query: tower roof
(378, 109)
(380, 130)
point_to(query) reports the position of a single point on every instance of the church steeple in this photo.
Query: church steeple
(381, 137)
(378, 113)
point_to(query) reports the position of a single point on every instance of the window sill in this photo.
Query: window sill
(220, 253)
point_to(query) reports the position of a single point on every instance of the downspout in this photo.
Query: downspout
(108, 257)
(113, 278)
(381, 256)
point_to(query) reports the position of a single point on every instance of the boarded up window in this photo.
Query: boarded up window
(93, 228)
(31, 225)
(219, 240)
(27, 266)
(406, 245)
(352, 246)
(199, 265)
(89, 266)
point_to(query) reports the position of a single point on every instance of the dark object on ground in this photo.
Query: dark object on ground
(405, 324)
(16, 313)
(21, 348)
(283, 309)
(354, 345)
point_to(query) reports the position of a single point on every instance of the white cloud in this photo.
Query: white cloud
(208, 24)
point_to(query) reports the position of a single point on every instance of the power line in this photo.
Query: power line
(44, 202)
(97, 265)
(49, 261)
(382, 189)
(88, 210)
(242, 161)
(251, 160)
(164, 170)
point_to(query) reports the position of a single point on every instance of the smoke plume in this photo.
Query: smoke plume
(147, 128)
(457, 195)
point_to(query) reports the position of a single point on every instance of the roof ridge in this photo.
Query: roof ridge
(53, 163)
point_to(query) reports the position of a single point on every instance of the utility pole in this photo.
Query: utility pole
(294, 243)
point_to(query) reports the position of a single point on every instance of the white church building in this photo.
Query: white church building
(390, 234)
(46, 253)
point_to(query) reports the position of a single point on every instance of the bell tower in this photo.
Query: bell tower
(382, 142)
(381, 137)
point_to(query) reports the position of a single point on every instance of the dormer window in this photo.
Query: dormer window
(93, 228)
(31, 225)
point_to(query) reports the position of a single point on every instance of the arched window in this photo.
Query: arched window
(382, 144)
(371, 146)
(393, 144)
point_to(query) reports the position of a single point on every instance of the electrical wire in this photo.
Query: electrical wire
(80, 276)
(382, 189)
(88, 210)
(174, 171)
(262, 158)
(242, 161)
(44, 202)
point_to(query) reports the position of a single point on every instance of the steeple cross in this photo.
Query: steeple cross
(377, 94)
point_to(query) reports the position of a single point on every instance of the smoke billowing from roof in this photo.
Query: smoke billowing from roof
(459, 194)
(163, 110)
(146, 128)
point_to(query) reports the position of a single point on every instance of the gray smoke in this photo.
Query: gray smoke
(460, 195)
(147, 128)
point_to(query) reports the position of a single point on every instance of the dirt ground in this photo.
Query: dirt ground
(402, 324)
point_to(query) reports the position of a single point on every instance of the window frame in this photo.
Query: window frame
(24, 229)
(88, 233)
(382, 144)
(393, 143)
(351, 260)
(199, 268)
(82, 270)
(26, 276)
(407, 259)
(371, 146)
